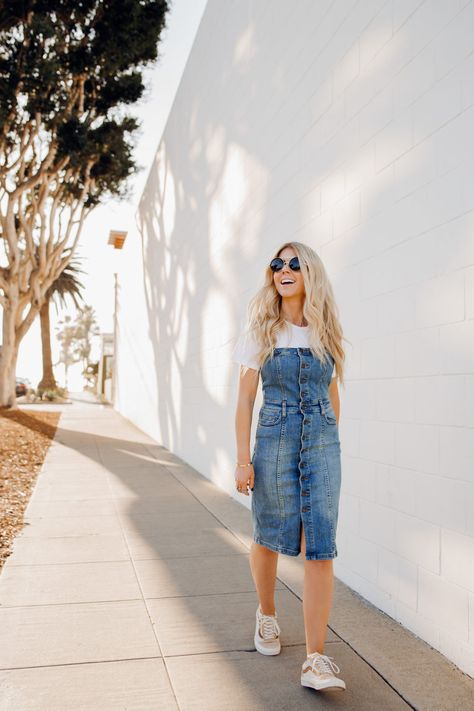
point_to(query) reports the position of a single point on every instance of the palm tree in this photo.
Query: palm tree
(66, 285)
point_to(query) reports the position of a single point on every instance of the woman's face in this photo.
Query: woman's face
(294, 285)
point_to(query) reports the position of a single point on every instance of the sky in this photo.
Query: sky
(99, 260)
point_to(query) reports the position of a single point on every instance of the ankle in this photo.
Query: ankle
(315, 651)
(268, 611)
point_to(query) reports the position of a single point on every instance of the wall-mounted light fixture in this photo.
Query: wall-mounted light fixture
(117, 238)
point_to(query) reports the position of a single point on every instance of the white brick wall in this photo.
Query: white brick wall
(348, 125)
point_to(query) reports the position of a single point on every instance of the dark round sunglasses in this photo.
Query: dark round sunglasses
(277, 264)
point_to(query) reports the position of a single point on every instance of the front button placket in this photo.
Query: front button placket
(304, 459)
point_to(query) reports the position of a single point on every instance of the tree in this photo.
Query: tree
(75, 338)
(67, 335)
(67, 69)
(86, 328)
(66, 285)
(90, 374)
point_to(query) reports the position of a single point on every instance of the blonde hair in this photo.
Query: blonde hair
(320, 311)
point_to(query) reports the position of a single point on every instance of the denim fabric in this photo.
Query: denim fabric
(297, 456)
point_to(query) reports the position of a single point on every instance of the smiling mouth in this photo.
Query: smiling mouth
(286, 282)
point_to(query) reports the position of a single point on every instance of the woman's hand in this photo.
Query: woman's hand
(248, 383)
(244, 478)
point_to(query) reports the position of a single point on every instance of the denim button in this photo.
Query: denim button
(305, 508)
(305, 493)
(303, 464)
(306, 422)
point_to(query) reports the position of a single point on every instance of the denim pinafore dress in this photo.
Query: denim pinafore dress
(296, 457)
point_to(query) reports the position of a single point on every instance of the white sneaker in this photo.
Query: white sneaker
(267, 633)
(317, 672)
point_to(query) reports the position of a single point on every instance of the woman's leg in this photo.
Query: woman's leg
(263, 563)
(317, 599)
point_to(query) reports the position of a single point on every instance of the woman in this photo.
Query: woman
(294, 341)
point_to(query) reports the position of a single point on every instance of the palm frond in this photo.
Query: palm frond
(67, 285)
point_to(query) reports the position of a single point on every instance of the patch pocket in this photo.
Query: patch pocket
(269, 416)
(328, 412)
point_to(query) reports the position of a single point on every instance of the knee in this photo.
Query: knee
(321, 564)
(263, 550)
(319, 567)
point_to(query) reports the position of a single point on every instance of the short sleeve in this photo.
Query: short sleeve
(245, 351)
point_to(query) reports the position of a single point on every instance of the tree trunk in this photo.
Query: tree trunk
(14, 329)
(48, 381)
(8, 358)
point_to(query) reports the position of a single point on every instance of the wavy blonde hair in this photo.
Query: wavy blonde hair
(320, 311)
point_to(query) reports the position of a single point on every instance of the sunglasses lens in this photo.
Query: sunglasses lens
(276, 264)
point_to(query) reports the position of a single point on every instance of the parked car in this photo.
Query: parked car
(23, 385)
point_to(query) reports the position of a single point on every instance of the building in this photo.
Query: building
(346, 125)
(106, 367)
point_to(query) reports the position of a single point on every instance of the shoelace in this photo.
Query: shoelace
(269, 627)
(323, 663)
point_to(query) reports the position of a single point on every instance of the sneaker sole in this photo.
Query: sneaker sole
(267, 652)
(323, 685)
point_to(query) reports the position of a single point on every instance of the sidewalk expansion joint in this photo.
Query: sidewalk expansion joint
(71, 602)
(76, 664)
(70, 562)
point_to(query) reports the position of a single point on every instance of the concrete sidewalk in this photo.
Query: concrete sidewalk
(129, 588)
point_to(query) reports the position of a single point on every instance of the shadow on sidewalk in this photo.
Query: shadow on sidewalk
(188, 543)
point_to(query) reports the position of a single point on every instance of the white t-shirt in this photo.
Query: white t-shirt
(246, 348)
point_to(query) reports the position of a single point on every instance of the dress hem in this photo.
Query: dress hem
(288, 551)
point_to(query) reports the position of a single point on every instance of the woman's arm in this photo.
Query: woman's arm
(248, 384)
(333, 392)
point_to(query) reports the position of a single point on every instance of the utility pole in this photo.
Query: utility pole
(115, 353)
